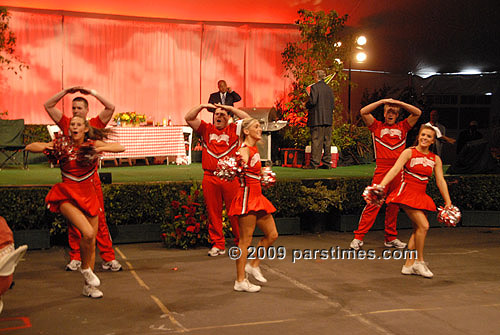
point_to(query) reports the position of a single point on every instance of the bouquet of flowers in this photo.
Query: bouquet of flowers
(130, 117)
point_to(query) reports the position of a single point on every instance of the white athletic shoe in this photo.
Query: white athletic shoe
(90, 277)
(421, 269)
(73, 265)
(396, 243)
(408, 270)
(216, 252)
(356, 244)
(92, 292)
(245, 286)
(113, 265)
(255, 272)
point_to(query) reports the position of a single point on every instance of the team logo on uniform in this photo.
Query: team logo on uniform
(391, 132)
(255, 159)
(424, 161)
(219, 138)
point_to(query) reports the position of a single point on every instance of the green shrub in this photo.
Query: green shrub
(24, 207)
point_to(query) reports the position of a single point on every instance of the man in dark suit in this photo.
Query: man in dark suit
(225, 96)
(320, 105)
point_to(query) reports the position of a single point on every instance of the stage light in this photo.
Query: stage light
(470, 71)
(361, 40)
(361, 57)
(488, 93)
(338, 61)
(338, 44)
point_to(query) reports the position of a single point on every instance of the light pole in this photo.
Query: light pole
(360, 58)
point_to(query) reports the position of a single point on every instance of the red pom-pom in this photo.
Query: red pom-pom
(230, 167)
(374, 195)
(63, 148)
(87, 154)
(268, 177)
(450, 217)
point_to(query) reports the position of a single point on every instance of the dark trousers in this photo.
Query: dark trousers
(321, 138)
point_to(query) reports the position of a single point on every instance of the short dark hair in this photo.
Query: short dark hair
(82, 99)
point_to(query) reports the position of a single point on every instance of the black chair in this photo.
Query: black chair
(12, 142)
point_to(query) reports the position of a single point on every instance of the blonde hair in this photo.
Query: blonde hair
(245, 124)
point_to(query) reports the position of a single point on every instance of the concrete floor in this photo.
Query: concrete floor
(305, 297)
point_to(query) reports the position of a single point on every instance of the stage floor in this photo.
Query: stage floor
(42, 174)
(305, 297)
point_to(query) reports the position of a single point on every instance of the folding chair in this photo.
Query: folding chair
(12, 141)
(188, 141)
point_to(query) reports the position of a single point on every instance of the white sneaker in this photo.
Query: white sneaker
(356, 244)
(421, 269)
(113, 265)
(216, 252)
(92, 291)
(73, 265)
(255, 272)
(408, 270)
(396, 243)
(90, 277)
(245, 286)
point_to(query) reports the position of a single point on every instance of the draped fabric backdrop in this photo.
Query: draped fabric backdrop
(160, 69)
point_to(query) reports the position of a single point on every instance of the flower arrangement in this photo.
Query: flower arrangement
(129, 118)
(186, 224)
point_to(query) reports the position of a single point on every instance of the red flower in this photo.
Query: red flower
(190, 229)
(177, 217)
(175, 204)
(182, 193)
(196, 193)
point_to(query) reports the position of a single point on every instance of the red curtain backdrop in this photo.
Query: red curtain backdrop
(160, 69)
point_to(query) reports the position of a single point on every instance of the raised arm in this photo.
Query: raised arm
(414, 111)
(101, 146)
(398, 166)
(192, 116)
(236, 96)
(238, 112)
(441, 182)
(366, 112)
(109, 108)
(50, 105)
(39, 146)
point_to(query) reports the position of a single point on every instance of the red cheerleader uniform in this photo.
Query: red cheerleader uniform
(77, 186)
(416, 174)
(249, 197)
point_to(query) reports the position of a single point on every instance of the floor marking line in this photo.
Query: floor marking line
(453, 253)
(167, 312)
(399, 310)
(257, 323)
(122, 255)
(325, 298)
(158, 302)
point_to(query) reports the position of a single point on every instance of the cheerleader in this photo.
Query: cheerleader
(252, 208)
(418, 163)
(75, 197)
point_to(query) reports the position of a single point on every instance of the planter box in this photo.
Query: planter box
(285, 226)
(35, 238)
(480, 219)
(135, 233)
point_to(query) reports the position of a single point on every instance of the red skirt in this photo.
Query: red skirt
(412, 195)
(250, 199)
(81, 194)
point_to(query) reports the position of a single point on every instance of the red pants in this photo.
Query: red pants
(215, 191)
(103, 238)
(370, 212)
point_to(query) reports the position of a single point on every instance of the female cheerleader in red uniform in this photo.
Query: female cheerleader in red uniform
(75, 197)
(252, 208)
(418, 163)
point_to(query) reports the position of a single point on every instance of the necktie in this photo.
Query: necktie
(223, 98)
